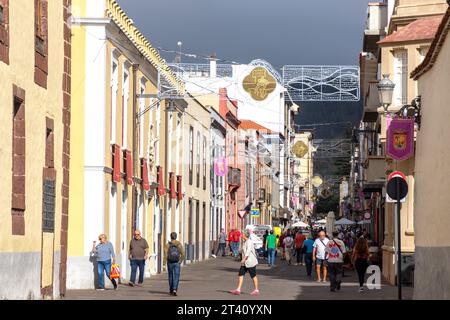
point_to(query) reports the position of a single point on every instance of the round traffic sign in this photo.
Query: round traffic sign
(397, 174)
(397, 192)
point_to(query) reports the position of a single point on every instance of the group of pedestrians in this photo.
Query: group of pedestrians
(105, 256)
(326, 254)
(329, 255)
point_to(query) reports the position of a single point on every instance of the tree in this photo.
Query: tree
(329, 204)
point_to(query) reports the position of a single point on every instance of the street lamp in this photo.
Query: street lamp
(385, 91)
(295, 108)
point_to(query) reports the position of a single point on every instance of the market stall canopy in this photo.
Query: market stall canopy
(323, 221)
(365, 222)
(344, 222)
(300, 224)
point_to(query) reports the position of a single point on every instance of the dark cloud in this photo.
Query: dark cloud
(280, 31)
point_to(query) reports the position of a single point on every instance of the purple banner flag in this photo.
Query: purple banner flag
(400, 139)
(220, 166)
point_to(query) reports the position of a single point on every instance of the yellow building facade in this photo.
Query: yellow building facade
(431, 219)
(411, 30)
(35, 115)
(119, 173)
(195, 226)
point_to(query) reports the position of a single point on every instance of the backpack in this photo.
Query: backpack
(173, 253)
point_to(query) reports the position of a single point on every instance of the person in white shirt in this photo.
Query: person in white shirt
(288, 243)
(335, 251)
(319, 255)
(248, 264)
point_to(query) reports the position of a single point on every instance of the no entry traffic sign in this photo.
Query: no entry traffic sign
(397, 188)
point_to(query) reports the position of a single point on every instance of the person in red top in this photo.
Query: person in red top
(236, 239)
(299, 239)
(230, 241)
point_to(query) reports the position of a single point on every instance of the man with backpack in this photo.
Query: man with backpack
(173, 256)
(336, 250)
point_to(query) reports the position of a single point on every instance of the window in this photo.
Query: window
(198, 159)
(49, 144)
(18, 161)
(41, 17)
(125, 95)
(247, 179)
(41, 42)
(114, 88)
(2, 17)
(191, 154)
(204, 163)
(401, 77)
(4, 31)
(141, 122)
(49, 183)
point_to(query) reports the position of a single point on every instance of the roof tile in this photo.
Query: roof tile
(421, 29)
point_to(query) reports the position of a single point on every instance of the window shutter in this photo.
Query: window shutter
(44, 22)
(173, 193)
(116, 163)
(129, 162)
(179, 188)
(160, 180)
(144, 173)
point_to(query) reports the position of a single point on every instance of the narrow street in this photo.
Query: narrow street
(213, 279)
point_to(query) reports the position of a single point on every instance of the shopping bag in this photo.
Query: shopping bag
(115, 271)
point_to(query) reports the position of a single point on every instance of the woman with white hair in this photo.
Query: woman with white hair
(248, 264)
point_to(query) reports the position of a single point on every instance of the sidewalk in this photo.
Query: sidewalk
(213, 279)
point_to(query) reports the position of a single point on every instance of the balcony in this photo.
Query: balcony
(234, 177)
(376, 171)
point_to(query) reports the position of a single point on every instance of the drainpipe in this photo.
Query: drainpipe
(166, 166)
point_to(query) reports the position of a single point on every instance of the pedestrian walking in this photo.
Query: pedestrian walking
(230, 242)
(138, 255)
(248, 264)
(222, 238)
(281, 244)
(335, 250)
(299, 239)
(236, 241)
(271, 248)
(319, 256)
(308, 252)
(173, 256)
(104, 252)
(360, 259)
(288, 246)
(264, 243)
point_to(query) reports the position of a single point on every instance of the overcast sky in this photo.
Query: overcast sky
(308, 32)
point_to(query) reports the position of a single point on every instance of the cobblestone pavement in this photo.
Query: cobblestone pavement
(213, 279)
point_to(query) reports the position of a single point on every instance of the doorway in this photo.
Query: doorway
(123, 232)
(197, 230)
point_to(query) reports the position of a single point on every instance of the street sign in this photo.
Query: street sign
(255, 213)
(400, 175)
(397, 174)
(394, 192)
(397, 189)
